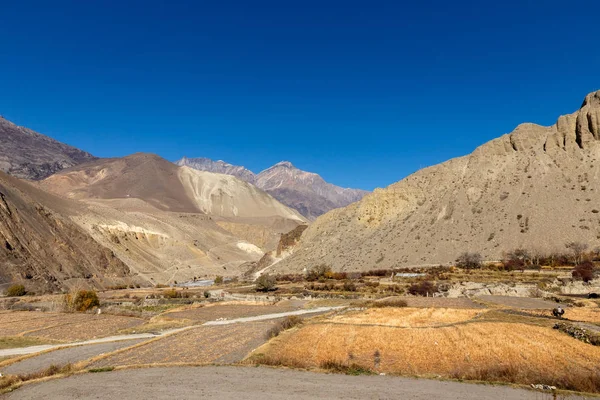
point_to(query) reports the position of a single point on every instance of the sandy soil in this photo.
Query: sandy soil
(233, 383)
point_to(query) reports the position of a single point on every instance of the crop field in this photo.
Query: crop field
(198, 345)
(492, 351)
(63, 326)
(229, 311)
(407, 317)
(427, 302)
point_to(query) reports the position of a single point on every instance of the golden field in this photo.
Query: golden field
(408, 317)
(493, 351)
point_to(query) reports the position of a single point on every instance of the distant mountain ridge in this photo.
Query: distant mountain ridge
(306, 192)
(30, 155)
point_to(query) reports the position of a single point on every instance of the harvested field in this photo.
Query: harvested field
(442, 302)
(204, 344)
(63, 326)
(507, 352)
(591, 315)
(520, 302)
(407, 317)
(70, 355)
(230, 311)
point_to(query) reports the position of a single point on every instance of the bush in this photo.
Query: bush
(206, 294)
(284, 325)
(584, 271)
(387, 303)
(265, 283)
(218, 280)
(349, 286)
(16, 291)
(424, 288)
(469, 260)
(85, 300)
(321, 271)
(170, 294)
(343, 368)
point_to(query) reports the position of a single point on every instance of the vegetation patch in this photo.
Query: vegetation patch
(285, 324)
(579, 333)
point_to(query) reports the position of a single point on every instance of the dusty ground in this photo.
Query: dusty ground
(230, 311)
(70, 355)
(407, 317)
(62, 326)
(520, 302)
(233, 383)
(204, 344)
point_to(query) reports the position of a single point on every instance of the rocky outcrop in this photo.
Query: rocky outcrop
(537, 187)
(219, 167)
(30, 155)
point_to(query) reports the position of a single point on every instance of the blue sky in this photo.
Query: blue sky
(364, 93)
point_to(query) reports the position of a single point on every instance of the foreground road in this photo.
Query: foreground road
(233, 383)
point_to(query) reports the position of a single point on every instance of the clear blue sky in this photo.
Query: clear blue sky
(363, 93)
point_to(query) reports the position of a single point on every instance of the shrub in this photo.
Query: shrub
(343, 368)
(170, 294)
(469, 260)
(16, 291)
(265, 283)
(319, 272)
(387, 303)
(423, 288)
(206, 294)
(218, 280)
(584, 271)
(85, 300)
(349, 286)
(287, 323)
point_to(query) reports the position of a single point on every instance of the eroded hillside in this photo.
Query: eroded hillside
(536, 187)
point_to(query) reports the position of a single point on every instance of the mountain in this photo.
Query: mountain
(41, 247)
(303, 191)
(537, 187)
(167, 187)
(219, 167)
(168, 223)
(30, 155)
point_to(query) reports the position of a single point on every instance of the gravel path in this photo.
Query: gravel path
(250, 383)
(65, 356)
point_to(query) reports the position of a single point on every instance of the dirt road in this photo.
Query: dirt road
(233, 383)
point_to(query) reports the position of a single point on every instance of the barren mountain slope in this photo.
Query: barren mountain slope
(537, 187)
(218, 167)
(44, 249)
(303, 191)
(167, 187)
(28, 154)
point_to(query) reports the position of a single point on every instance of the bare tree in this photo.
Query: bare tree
(578, 249)
(469, 260)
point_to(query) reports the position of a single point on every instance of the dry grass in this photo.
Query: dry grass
(583, 314)
(531, 354)
(407, 317)
(158, 324)
(12, 342)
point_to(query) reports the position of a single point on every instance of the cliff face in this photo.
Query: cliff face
(30, 155)
(536, 187)
(45, 250)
